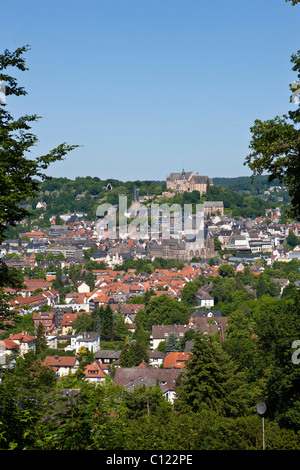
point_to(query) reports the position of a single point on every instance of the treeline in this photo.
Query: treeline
(236, 204)
(215, 408)
(83, 194)
(259, 184)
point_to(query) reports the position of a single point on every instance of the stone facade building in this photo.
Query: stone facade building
(183, 250)
(188, 182)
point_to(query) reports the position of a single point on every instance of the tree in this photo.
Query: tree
(266, 286)
(104, 322)
(226, 270)
(164, 310)
(188, 294)
(292, 240)
(239, 343)
(172, 344)
(275, 146)
(41, 341)
(133, 354)
(90, 280)
(19, 175)
(141, 319)
(83, 322)
(210, 381)
(145, 401)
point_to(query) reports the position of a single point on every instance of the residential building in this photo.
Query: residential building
(204, 299)
(213, 207)
(134, 377)
(176, 360)
(25, 342)
(156, 358)
(89, 340)
(94, 373)
(107, 356)
(62, 365)
(46, 318)
(162, 332)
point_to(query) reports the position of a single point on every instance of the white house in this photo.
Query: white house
(204, 299)
(52, 342)
(88, 339)
(162, 332)
(62, 365)
(25, 342)
(83, 287)
(94, 373)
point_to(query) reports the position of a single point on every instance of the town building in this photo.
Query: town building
(188, 182)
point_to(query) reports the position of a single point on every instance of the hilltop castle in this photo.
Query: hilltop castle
(188, 182)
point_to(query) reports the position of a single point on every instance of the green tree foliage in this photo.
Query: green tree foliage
(172, 343)
(103, 322)
(83, 322)
(18, 174)
(133, 354)
(164, 310)
(210, 381)
(275, 146)
(188, 294)
(226, 270)
(189, 291)
(240, 344)
(146, 401)
(266, 286)
(292, 240)
(41, 341)
(120, 330)
(277, 329)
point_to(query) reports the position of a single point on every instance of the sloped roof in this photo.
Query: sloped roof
(60, 361)
(176, 359)
(166, 378)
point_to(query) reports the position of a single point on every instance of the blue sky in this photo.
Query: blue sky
(148, 87)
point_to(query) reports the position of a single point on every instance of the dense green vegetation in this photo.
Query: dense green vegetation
(84, 194)
(216, 397)
(65, 196)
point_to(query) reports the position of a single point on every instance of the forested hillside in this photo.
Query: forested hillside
(240, 196)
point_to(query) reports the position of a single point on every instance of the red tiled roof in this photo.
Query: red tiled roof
(22, 337)
(176, 359)
(94, 370)
(10, 344)
(60, 361)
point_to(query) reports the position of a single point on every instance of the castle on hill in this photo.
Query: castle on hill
(188, 182)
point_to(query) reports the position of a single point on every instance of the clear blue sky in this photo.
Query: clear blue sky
(149, 87)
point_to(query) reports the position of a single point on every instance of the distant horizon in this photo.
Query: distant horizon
(150, 179)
